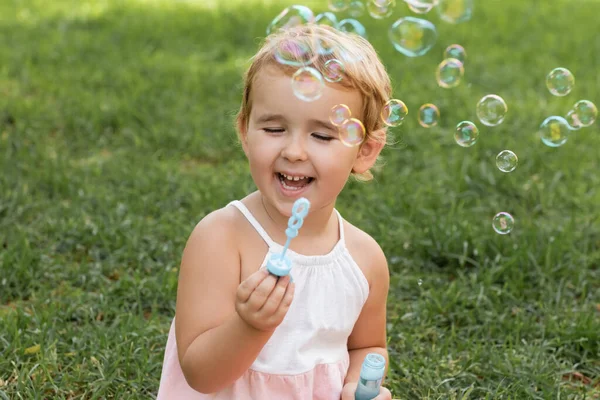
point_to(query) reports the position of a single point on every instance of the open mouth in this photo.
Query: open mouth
(294, 184)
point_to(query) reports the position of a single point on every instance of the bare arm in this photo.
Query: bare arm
(222, 325)
(219, 356)
(357, 356)
(212, 343)
(369, 333)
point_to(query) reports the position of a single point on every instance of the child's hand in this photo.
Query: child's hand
(263, 299)
(350, 388)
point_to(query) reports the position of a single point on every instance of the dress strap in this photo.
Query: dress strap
(261, 231)
(341, 222)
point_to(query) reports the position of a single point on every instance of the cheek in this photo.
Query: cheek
(261, 152)
(339, 162)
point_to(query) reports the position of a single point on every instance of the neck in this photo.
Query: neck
(315, 224)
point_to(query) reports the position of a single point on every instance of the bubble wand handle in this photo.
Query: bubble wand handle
(287, 244)
(279, 264)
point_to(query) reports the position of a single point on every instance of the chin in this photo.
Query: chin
(285, 209)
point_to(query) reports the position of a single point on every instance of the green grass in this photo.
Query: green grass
(116, 137)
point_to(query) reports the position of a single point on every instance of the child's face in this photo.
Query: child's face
(294, 137)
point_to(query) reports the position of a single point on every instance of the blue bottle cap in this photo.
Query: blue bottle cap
(374, 361)
(279, 266)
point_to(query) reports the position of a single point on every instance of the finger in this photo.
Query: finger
(384, 394)
(261, 293)
(249, 284)
(348, 392)
(347, 396)
(274, 299)
(286, 301)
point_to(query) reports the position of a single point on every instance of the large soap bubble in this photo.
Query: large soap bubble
(412, 37)
(290, 17)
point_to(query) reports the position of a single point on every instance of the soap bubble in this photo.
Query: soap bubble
(339, 5)
(449, 73)
(503, 223)
(506, 161)
(339, 114)
(456, 51)
(420, 282)
(466, 134)
(350, 25)
(326, 18)
(307, 84)
(491, 110)
(290, 17)
(333, 70)
(573, 120)
(394, 112)
(554, 131)
(560, 81)
(325, 48)
(294, 53)
(352, 132)
(380, 9)
(412, 37)
(356, 8)
(455, 11)
(421, 6)
(586, 112)
(429, 115)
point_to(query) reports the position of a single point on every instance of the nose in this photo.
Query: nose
(294, 149)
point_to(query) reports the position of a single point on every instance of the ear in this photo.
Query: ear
(368, 152)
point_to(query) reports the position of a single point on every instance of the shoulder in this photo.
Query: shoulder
(216, 232)
(222, 223)
(367, 253)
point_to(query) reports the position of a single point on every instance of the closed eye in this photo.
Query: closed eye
(273, 130)
(322, 137)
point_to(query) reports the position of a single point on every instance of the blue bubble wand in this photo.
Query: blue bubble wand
(279, 264)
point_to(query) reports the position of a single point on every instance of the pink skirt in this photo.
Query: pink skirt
(324, 382)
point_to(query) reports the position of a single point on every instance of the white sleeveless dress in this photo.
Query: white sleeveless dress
(307, 357)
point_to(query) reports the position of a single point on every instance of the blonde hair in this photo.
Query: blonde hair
(363, 71)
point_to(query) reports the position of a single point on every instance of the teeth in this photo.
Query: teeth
(289, 187)
(293, 178)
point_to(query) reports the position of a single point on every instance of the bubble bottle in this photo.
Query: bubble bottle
(279, 264)
(371, 375)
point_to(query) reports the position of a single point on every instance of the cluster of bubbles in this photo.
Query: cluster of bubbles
(451, 70)
(491, 111)
(411, 36)
(554, 131)
(449, 73)
(414, 37)
(308, 82)
(351, 130)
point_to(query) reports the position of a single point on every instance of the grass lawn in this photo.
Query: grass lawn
(116, 138)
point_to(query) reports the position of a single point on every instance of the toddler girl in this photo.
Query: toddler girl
(242, 333)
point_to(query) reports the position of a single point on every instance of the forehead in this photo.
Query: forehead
(272, 92)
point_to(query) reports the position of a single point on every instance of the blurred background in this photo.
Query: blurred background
(117, 136)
